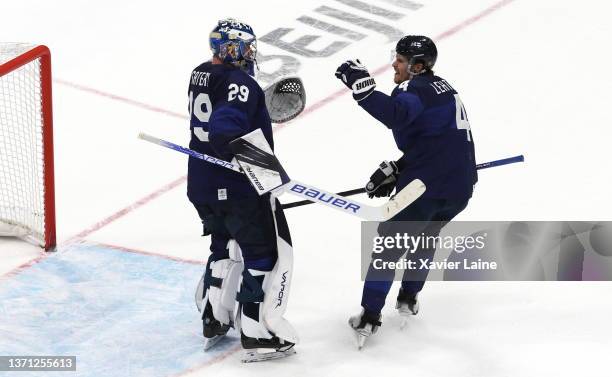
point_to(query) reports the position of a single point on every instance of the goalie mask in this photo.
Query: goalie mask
(235, 43)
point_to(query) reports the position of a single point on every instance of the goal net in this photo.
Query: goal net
(27, 207)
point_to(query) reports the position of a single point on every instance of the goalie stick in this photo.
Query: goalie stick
(484, 165)
(366, 212)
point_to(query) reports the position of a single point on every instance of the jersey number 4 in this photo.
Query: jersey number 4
(461, 117)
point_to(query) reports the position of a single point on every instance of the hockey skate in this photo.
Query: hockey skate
(407, 305)
(364, 324)
(214, 330)
(265, 349)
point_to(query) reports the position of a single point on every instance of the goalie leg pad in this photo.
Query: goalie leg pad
(201, 293)
(251, 296)
(219, 285)
(223, 288)
(264, 294)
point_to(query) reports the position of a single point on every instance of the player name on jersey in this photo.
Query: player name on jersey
(200, 78)
(441, 86)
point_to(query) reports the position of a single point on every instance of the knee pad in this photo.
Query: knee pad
(219, 285)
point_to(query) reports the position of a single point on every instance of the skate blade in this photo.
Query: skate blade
(405, 315)
(253, 356)
(361, 339)
(362, 335)
(210, 342)
(405, 310)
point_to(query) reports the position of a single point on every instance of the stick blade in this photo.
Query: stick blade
(403, 199)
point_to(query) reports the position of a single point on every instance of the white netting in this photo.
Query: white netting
(21, 148)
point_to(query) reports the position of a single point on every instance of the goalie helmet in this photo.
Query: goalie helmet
(235, 43)
(418, 49)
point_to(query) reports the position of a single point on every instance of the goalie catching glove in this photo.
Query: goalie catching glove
(285, 99)
(357, 78)
(382, 182)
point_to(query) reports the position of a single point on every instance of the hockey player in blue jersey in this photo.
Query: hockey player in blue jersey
(250, 241)
(431, 129)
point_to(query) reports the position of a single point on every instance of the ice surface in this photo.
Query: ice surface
(532, 77)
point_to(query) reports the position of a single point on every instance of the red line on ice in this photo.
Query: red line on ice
(115, 97)
(473, 19)
(148, 253)
(117, 215)
(25, 265)
(210, 362)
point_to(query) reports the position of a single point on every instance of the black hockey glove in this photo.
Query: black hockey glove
(382, 182)
(357, 78)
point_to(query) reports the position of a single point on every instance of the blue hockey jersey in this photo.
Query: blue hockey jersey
(224, 104)
(431, 128)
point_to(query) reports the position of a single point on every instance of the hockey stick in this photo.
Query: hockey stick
(366, 212)
(484, 165)
(503, 161)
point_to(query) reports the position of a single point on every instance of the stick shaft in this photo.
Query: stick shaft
(484, 165)
(503, 161)
(190, 152)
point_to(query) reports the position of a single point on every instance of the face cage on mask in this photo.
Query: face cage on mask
(240, 54)
(236, 51)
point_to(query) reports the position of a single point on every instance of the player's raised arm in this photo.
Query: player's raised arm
(393, 111)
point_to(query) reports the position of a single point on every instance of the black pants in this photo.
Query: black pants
(251, 222)
(426, 217)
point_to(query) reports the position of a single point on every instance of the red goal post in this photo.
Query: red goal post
(27, 193)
